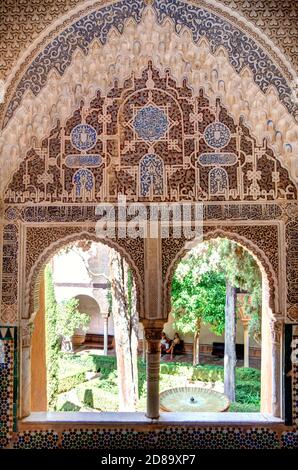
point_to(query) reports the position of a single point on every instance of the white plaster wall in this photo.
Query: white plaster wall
(206, 336)
(70, 268)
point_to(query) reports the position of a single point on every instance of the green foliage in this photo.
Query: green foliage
(104, 389)
(198, 287)
(248, 374)
(103, 400)
(199, 298)
(88, 398)
(67, 383)
(244, 408)
(69, 318)
(68, 406)
(206, 373)
(52, 340)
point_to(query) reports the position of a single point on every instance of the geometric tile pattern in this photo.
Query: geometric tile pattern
(289, 440)
(8, 382)
(295, 376)
(37, 440)
(173, 437)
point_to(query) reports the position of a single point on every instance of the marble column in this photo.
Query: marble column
(25, 379)
(144, 348)
(38, 356)
(105, 334)
(153, 337)
(276, 327)
(246, 344)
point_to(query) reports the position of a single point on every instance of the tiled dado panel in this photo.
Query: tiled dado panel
(8, 383)
(295, 376)
(178, 437)
(158, 437)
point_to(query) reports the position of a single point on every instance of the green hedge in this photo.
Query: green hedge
(103, 391)
(68, 406)
(244, 408)
(71, 381)
(206, 373)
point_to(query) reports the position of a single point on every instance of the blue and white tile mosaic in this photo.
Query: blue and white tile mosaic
(224, 159)
(83, 180)
(217, 135)
(83, 137)
(150, 123)
(151, 175)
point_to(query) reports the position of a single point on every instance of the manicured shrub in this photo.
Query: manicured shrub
(88, 398)
(69, 406)
(103, 390)
(67, 383)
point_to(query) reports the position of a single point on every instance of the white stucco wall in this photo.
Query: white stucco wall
(206, 336)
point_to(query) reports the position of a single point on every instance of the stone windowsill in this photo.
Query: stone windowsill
(139, 418)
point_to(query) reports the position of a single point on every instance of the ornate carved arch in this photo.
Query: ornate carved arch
(238, 83)
(258, 254)
(32, 285)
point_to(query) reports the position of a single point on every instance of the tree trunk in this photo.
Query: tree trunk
(230, 342)
(125, 319)
(196, 345)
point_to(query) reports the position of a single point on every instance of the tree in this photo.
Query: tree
(125, 319)
(70, 319)
(240, 271)
(198, 300)
(230, 343)
(52, 340)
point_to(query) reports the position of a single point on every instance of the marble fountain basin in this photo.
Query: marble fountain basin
(193, 399)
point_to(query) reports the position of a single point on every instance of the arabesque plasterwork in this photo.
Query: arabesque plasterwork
(260, 103)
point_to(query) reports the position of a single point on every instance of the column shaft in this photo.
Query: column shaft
(246, 345)
(153, 336)
(105, 335)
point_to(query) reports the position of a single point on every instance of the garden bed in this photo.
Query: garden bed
(79, 392)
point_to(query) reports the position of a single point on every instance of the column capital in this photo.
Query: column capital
(276, 326)
(27, 330)
(153, 329)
